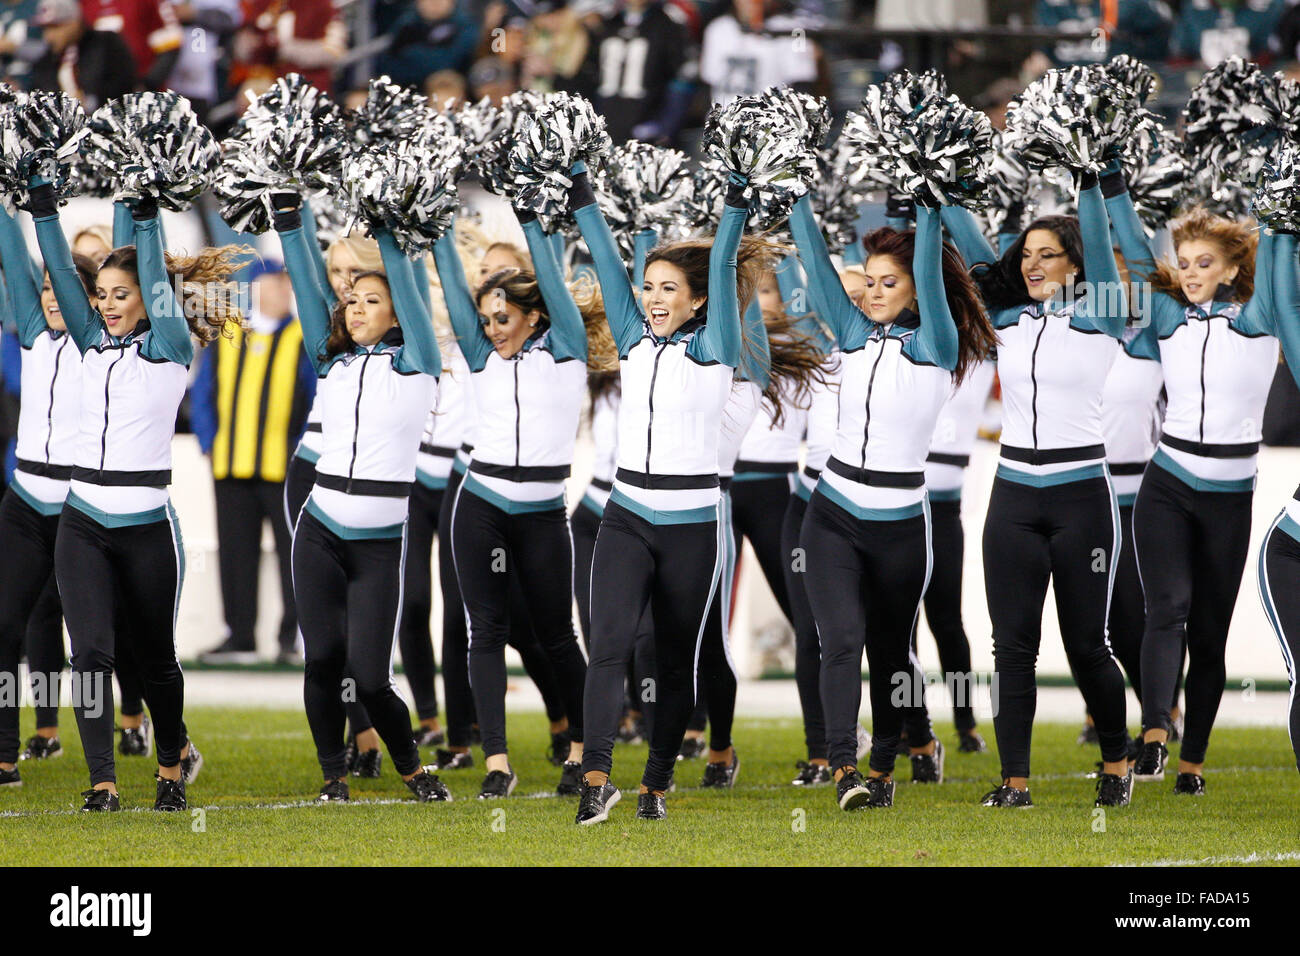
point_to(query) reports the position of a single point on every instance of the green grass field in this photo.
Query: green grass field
(261, 770)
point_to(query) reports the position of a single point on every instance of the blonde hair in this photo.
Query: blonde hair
(364, 249)
(100, 233)
(1235, 240)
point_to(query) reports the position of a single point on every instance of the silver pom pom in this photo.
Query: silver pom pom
(479, 125)
(565, 131)
(759, 138)
(811, 113)
(836, 204)
(390, 114)
(155, 147)
(1277, 201)
(1134, 75)
(642, 187)
(1156, 172)
(39, 136)
(1076, 118)
(492, 161)
(406, 190)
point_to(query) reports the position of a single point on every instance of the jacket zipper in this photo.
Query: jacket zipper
(1033, 377)
(649, 428)
(49, 418)
(871, 384)
(517, 413)
(103, 437)
(1204, 347)
(356, 419)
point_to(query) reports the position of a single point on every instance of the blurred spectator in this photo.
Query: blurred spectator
(493, 76)
(249, 405)
(931, 14)
(1142, 31)
(555, 45)
(92, 65)
(1213, 30)
(93, 242)
(278, 37)
(206, 25)
(738, 59)
(640, 70)
(149, 27)
(433, 35)
(445, 88)
(994, 100)
(1286, 41)
(16, 29)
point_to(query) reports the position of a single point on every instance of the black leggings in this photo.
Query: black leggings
(865, 580)
(491, 548)
(758, 510)
(44, 644)
(415, 637)
(807, 646)
(122, 582)
(242, 506)
(349, 605)
(1191, 551)
(455, 638)
(1067, 533)
(1279, 590)
(673, 568)
(943, 608)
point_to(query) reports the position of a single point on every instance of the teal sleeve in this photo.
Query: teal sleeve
(719, 340)
(420, 346)
(313, 310)
(1259, 316)
(794, 296)
(624, 316)
(317, 257)
(642, 243)
(755, 350)
(474, 344)
(967, 237)
(936, 340)
(1133, 243)
(123, 225)
(845, 320)
(169, 332)
(421, 273)
(21, 280)
(1106, 306)
(568, 334)
(1286, 296)
(84, 323)
(556, 242)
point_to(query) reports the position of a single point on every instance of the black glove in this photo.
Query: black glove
(580, 193)
(900, 207)
(1112, 181)
(1015, 214)
(142, 210)
(1085, 179)
(42, 201)
(286, 210)
(525, 215)
(737, 186)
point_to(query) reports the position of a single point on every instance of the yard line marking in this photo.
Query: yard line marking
(1216, 860)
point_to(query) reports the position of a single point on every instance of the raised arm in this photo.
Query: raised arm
(845, 320)
(169, 332)
(936, 341)
(624, 316)
(642, 243)
(1259, 316)
(84, 323)
(123, 225)
(22, 281)
(568, 334)
(313, 309)
(1286, 298)
(1105, 307)
(420, 348)
(461, 310)
(317, 258)
(1133, 243)
(967, 236)
(555, 240)
(719, 340)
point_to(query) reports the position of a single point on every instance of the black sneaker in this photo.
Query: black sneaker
(1114, 790)
(498, 784)
(692, 747)
(1190, 784)
(10, 778)
(191, 763)
(1151, 761)
(651, 806)
(880, 791)
(171, 795)
(350, 753)
(428, 788)
(1088, 736)
(570, 779)
(722, 775)
(596, 802)
(812, 775)
(851, 791)
(136, 741)
(335, 791)
(928, 768)
(559, 751)
(428, 738)
(369, 764)
(100, 801)
(1006, 796)
(450, 760)
(971, 743)
(41, 748)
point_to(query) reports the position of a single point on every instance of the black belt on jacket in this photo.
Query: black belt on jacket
(42, 469)
(602, 484)
(768, 467)
(520, 473)
(122, 479)
(312, 427)
(364, 486)
(1123, 468)
(1052, 456)
(1243, 450)
(437, 450)
(639, 479)
(877, 479)
(943, 458)
(811, 472)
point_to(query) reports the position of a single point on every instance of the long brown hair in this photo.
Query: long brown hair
(1235, 240)
(210, 299)
(975, 335)
(797, 362)
(521, 289)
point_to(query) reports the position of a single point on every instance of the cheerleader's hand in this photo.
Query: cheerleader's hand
(286, 211)
(42, 200)
(143, 208)
(900, 207)
(1112, 179)
(737, 190)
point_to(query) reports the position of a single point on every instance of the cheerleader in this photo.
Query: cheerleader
(528, 362)
(118, 557)
(1215, 340)
(866, 533)
(378, 363)
(660, 536)
(1052, 513)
